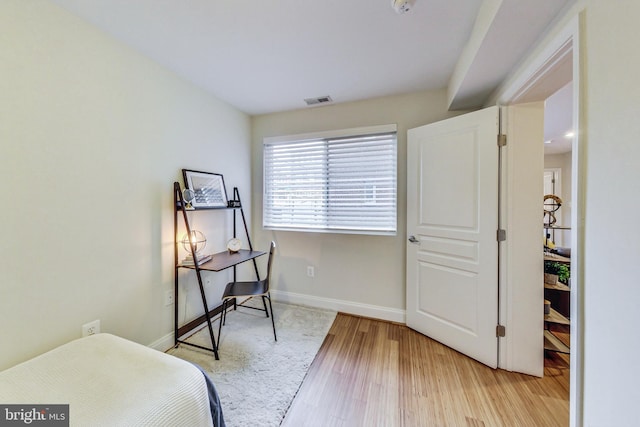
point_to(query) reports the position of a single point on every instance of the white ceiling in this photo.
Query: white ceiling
(558, 120)
(264, 56)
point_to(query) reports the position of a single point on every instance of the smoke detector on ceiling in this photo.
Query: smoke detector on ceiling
(318, 100)
(402, 6)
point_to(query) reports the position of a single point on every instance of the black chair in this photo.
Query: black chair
(248, 290)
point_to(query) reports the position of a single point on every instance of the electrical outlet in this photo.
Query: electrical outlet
(311, 272)
(91, 328)
(168, 298)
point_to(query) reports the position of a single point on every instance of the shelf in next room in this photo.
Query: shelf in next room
(556, 227)
(557, 318)
(557, 287)
(551, 342)
(556, 257)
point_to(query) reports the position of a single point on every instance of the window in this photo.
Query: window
(342, 181)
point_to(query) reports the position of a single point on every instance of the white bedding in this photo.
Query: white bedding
(110, 381)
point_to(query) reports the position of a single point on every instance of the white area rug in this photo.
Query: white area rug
(256, 377)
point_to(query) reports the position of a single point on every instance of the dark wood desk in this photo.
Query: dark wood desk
(223, 260)
(218, 262)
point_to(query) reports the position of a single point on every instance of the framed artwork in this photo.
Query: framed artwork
(209, 188)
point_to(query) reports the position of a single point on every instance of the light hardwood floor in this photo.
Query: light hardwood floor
(375, 373)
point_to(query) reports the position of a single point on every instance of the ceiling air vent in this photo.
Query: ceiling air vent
(318, 100)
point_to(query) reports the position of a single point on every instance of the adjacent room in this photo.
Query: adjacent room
(302, 213)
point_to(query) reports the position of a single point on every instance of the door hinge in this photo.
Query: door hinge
(502, 140)
(501, 235)
(501, 331)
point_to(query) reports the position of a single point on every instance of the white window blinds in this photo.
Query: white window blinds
(343, 183)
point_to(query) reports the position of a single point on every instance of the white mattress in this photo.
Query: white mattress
(110, 381)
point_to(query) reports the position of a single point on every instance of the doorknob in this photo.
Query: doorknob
(413, 239)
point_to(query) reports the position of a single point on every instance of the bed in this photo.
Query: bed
(110, 381)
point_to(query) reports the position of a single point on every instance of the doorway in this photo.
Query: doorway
(557, 178)
(543, 74)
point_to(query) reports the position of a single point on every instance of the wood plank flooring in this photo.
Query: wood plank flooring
(376, 373)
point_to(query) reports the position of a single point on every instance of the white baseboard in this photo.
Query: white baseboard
(350, 307)
(367, 310)
(163, 344)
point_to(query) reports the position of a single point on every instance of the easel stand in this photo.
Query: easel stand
(218, 262)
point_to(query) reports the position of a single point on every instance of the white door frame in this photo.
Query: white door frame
(557, 176)
(521, 267)
(537, 72)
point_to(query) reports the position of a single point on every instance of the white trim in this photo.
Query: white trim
(551, 49)
(521, 262)
(552, 56)
(557, 176)
(332, 134)
(578, 186)
(349, 307)
(163, 344)
(333, 230)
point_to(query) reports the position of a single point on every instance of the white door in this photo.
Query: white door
(452, 221)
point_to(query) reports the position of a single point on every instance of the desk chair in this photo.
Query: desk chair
(249, 290)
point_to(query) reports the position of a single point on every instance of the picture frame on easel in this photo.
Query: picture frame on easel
(209, 188)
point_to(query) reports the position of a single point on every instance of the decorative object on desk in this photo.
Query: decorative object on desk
(208, 188)
(188, 195)
(234, 245)
(549, 219)
(547, 307)
(550, 279)
(196, 238)
(550, 204)
(558, 269)
(548, 243)
(188, 260)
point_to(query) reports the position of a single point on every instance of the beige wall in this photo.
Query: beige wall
(353, 273)
(92, 135)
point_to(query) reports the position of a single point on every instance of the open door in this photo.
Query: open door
(452, 223)
(461, 281)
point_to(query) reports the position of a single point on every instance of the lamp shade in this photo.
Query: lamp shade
(197, 238)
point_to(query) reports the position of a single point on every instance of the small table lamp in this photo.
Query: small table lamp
(197, 238)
